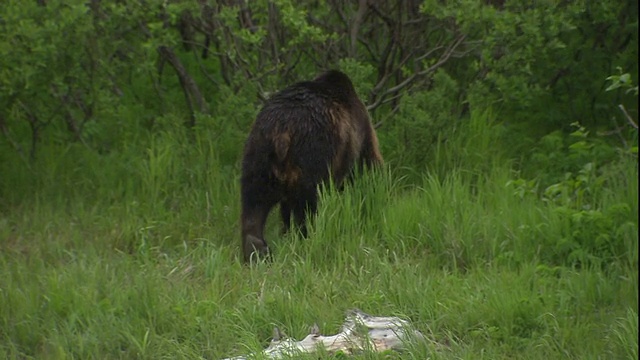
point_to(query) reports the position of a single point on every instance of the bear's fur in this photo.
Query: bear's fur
(303, 135)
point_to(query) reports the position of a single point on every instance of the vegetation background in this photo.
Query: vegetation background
(505, 225)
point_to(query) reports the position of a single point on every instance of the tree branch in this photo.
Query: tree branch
(5, 131)
(443, 59)
(629, 118)
(189, 86)
(355, 27)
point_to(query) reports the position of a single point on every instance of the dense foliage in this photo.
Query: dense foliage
(509, 127)
(73, 71)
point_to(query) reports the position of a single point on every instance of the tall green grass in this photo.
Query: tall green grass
(135, 254)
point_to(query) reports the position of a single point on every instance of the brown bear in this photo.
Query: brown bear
(304, 135)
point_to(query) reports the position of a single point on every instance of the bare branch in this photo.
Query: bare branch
(355, 27)
(629, 118)
(616, 131)
(35, 125)
(338, 8)
(189, 86)
(5, 131)
(65, 103)
(406, 82)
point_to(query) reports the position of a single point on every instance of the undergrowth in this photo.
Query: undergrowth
(135, 254)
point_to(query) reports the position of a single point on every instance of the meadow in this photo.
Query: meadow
(136, 255)
(504, 224)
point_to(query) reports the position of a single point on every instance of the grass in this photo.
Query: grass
(137, 256)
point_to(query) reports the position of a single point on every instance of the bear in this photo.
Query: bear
(304, 135)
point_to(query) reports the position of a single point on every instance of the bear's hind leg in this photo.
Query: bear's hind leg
(285, 213)
(305, 207)
(253, 221)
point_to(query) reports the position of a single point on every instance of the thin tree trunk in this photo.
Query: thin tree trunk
(191, 91)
